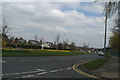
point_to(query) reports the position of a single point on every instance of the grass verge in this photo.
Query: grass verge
(96, 63)
(23, 53)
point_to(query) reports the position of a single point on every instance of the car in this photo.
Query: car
(100, 53)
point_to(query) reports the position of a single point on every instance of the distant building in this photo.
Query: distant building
(99, 49)
(47, 44)
(17, 40)
(22, 41)
(60, 46)
(33, 42)
(11, 40)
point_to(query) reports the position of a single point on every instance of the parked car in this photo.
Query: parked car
(100, 53)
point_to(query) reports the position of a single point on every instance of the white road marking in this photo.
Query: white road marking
(17, 73)
(69, 68)
(37, 70)
(54, 71)
(40, 70)
(27, 76)
(3, 61)
(11, 74)
(42, 73)
(22, 73)
(33, 71)
(29, 72)
(30, 76)
(23, 77)
(60, 69)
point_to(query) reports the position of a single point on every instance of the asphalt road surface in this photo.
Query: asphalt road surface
(44, 67)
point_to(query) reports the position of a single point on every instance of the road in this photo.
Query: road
(44, 67)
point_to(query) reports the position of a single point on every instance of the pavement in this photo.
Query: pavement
(44, 67)
(109, 69)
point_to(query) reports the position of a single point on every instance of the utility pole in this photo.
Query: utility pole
(106, 17)
(63, 41)
(118, 27)
(118, 16)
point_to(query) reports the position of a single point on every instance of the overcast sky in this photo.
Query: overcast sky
(81, 22)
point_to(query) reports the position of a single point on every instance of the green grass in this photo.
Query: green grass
(23, 53)
(96, 63)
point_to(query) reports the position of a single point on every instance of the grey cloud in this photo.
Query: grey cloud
(47, 19)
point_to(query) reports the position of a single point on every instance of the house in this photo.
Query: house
(18, 41)
(11, 40)
(22, 41)
(33, 42)
(47, 44)
(60, 46)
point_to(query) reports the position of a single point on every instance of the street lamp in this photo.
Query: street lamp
(63, 41)
(106, 17)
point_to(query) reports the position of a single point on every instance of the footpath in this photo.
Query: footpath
(109, 69)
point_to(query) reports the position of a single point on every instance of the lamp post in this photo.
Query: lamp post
(63, 41)
(106, 17)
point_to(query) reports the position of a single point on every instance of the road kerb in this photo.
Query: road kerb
(75, 67)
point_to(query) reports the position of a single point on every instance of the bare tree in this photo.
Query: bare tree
(5, 28)
(72, 46)
(65, 44)
(42, 38)
(57, 39)
(4, 32)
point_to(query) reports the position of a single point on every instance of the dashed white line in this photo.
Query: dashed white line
(23, 77)
(29, 72)
(69, 68)
(35, 71)
(54, 71)
(42, 73)
(40, 70)
(11, 74)
(60, 69)
(22, 73)
(17, 73)
(3, 61)
(29, 76)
